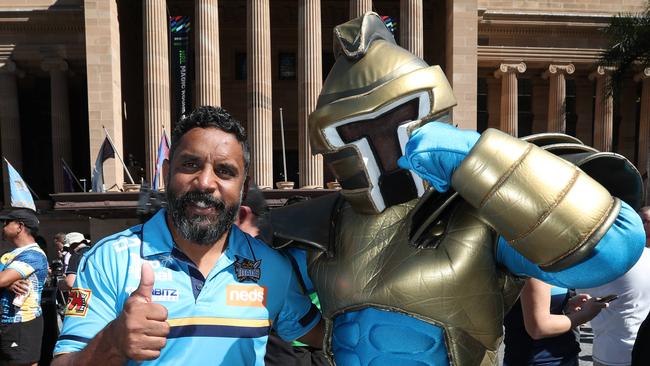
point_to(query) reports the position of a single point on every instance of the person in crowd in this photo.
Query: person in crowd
(616, 328)
(541, 328)
(21, 321)
(59, 241)
(253, 220)
(78, 246)
(187, 287)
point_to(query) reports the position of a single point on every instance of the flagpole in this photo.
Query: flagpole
(28, 187)
(67, 167)
(118, 155)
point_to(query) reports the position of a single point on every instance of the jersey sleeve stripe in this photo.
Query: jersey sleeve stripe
(250, 323)
(309, 317)
(74, 338)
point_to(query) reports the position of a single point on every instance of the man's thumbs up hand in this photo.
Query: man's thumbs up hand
(141, 329)
(147, 279)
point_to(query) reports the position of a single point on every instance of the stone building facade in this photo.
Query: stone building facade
(72, 70)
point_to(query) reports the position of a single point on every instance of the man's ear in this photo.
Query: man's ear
(165, 171)
(245, 214)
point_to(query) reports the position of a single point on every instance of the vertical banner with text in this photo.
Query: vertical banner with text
(180, 64)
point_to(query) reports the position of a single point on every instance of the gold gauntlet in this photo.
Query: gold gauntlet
(547, 208)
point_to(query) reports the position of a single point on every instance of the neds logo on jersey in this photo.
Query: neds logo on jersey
(242, 295)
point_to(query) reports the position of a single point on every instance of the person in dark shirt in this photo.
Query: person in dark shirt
(78, 246)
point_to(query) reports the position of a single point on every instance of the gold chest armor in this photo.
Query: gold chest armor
(457, 285)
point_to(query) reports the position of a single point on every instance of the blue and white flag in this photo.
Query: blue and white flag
(20, 195)
(105, 151)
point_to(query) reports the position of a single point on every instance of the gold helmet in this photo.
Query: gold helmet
(374, 96)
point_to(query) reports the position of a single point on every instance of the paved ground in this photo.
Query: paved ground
(586, 342)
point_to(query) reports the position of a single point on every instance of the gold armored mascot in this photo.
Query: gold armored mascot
(414, 271)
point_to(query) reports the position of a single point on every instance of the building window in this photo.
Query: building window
(570, 108)
(525, 111)
(482, 105)
(240, 66)
(287, 66)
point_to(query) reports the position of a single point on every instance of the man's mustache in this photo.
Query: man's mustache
(195, 197)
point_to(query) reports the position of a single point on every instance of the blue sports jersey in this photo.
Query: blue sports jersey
(222, 319)
(31, 262)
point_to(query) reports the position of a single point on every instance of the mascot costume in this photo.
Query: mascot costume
(424, 249)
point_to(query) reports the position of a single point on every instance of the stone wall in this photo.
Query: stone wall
(591, 6)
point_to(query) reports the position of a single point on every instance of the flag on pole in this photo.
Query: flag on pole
(106, 151)
(70, 178)
(68, 183)
(163, 153)
(19, 191)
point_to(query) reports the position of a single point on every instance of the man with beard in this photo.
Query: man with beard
(187, 287)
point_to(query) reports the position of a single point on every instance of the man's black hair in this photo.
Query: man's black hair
(211, 117)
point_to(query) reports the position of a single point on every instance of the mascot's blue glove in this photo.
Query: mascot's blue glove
(435, 150)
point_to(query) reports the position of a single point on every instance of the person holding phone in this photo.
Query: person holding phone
(616, 327)
(541, 328)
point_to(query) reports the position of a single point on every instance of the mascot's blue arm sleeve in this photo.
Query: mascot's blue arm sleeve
(435, 150)
(500, 179)
(615, 253)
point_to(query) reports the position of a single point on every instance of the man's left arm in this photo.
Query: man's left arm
(315, 336)
(551, 215)
(299, 319)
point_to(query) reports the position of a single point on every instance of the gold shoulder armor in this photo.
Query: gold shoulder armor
(547, 208)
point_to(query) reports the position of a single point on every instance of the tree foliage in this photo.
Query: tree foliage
(629, 36)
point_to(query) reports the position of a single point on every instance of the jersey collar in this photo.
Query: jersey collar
(157, 239)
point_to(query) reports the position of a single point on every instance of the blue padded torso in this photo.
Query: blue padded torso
(374, 337)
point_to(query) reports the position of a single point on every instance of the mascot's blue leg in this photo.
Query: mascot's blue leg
(373, 337)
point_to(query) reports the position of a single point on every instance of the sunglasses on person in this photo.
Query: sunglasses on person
(9, 221)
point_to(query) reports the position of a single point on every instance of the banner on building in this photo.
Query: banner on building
(180, 64)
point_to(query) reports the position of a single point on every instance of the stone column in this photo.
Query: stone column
(258, 84)
(411, 26)
(208, 80)
(9, 122)
(359, 7)
(557, 96)
(509, 102)
(462, 60)
(102, 34)
(309, 86)
(157, 113)
(644, 122)
(603, 110)
(9, 115)
(61, 140)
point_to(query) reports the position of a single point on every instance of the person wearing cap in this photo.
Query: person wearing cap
(78, 245)
(21, 322)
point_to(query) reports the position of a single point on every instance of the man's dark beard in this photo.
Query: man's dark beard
(203, 230)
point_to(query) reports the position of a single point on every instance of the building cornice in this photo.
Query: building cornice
(545, 16)
(493, 55)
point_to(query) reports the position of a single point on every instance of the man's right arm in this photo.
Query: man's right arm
(138, 333)
(100, 351)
